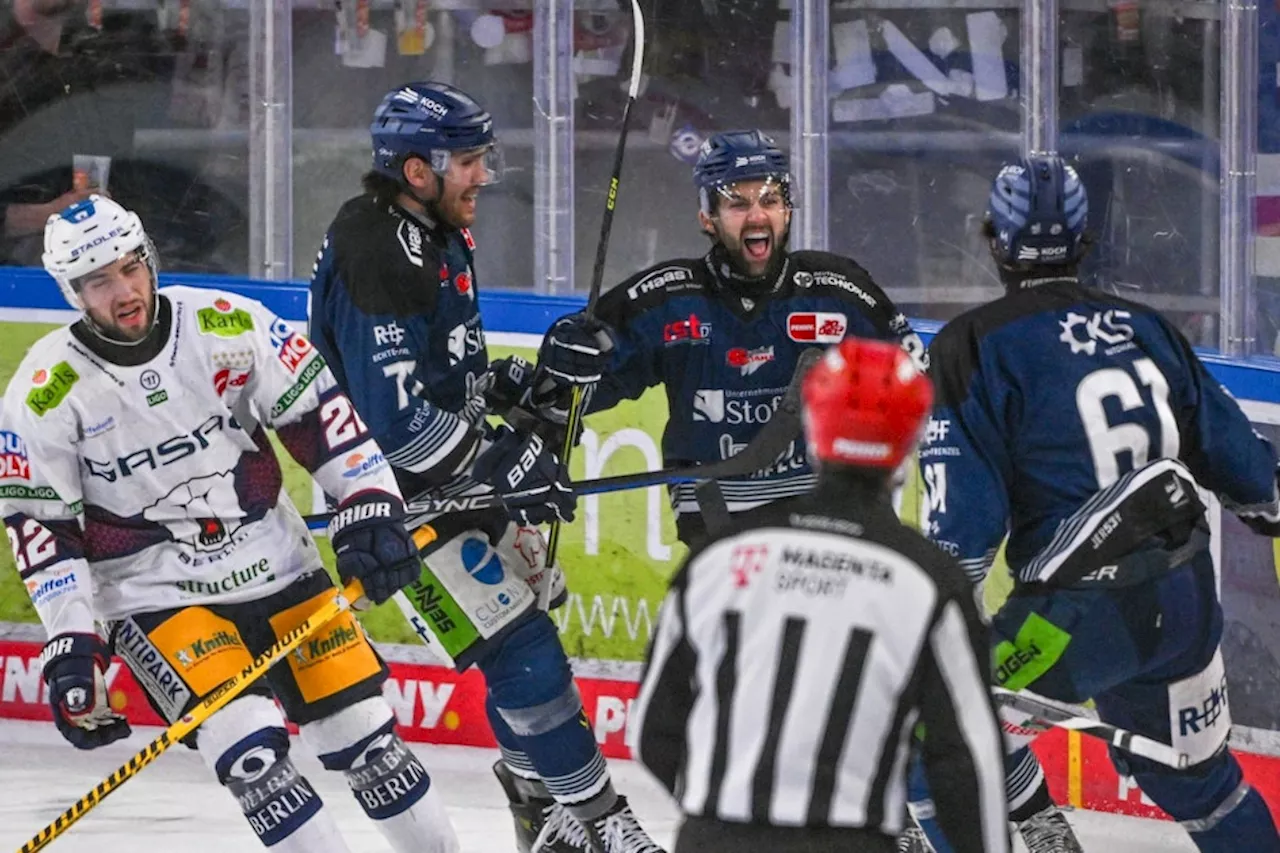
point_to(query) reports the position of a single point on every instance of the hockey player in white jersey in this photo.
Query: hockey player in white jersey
(145, 509)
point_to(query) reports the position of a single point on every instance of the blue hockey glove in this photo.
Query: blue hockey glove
(576, 351)
(371, 543)
(527, 474)
(74, 667)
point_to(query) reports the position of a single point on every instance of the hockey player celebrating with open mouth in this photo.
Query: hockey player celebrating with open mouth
(1082, 425)
(394, 310)
(723, 332)
(142, 493)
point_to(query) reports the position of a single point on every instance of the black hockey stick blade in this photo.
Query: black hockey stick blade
(1066, 716)
(773, 439)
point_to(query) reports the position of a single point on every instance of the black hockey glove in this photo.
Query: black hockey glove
(371, 543)
(74, 667)
(510, 386)
(526, 473)
(510, 395)
(576, 351)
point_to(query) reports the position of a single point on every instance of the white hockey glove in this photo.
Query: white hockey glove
(525, 551)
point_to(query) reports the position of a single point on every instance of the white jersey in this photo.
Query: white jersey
(141, 478)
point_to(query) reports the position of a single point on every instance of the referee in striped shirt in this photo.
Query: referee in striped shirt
(792, 661)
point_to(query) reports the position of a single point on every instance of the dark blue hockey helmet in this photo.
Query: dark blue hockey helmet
(739, 155)
(430, 120)
(1037, 213)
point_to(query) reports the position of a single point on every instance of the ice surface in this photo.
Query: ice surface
(174, 805)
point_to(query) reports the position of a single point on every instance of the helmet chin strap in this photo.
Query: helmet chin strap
(430, 205)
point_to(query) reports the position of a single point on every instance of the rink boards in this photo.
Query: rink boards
(437, 705)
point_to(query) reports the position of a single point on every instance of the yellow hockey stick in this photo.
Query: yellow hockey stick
(218, 697)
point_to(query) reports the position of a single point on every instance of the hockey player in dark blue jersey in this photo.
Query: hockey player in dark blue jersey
(723, 332)
(394, 313)
(1080, 425)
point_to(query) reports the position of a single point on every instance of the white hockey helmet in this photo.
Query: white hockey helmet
(88, 236)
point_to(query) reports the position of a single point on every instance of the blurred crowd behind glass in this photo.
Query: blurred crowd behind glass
(149, 101)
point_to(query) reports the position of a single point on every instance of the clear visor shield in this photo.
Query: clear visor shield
(123, 267)
(492, 160)
(771, 193)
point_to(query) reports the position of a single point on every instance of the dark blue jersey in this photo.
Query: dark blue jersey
(725, 360)
(1051, 393)
(393, 312)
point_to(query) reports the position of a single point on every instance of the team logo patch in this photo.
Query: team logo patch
(1083, 334)
(482, 562)
(14, 464)
(463, 282)
(295, 350)
(749, 360)
(357, 465)
(818, 327)
(224, 322)
(52, 387)
(690, 330)
(226, 378)
(52, 586)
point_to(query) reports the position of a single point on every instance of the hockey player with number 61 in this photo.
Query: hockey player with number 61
(794, 655)
(1082, 425)
(142, 494)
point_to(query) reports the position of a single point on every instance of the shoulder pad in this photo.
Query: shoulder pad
(841, 275)
(670, 275)
(387, 262)
(953, 357)
(653, 285)
(217, 313)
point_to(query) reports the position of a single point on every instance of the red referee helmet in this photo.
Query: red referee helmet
(865, 403)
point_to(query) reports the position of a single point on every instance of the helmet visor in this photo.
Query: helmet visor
(495, 163)
(770, 193)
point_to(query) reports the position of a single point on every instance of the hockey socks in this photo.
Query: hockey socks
(247, 746)
(282, 808)
(386, 777)
(537, 718)
(563, 759)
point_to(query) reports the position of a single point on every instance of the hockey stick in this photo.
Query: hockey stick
(1073, 717)
(574, 423)
(189, 722)
(763, 450)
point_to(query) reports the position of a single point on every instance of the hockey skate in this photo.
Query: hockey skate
(616, 832)
(1048, 832)
(542, 825)
(619, 832)
(913, 840)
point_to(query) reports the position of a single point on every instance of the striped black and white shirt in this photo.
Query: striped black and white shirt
(792, 662)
